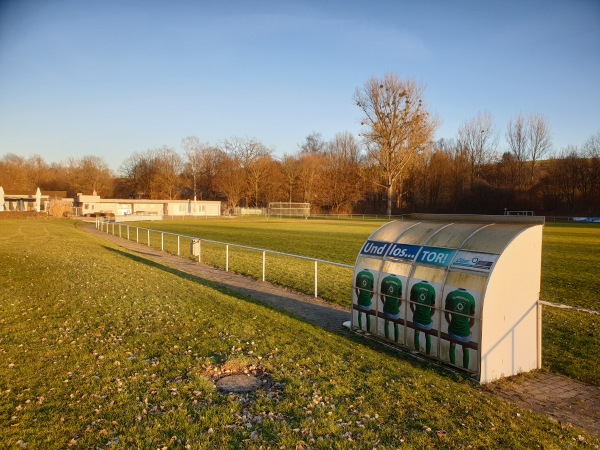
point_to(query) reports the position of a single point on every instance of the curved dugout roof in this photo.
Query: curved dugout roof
(450, 252)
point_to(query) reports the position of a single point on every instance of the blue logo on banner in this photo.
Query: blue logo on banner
(403, 251)
(374, 248)
(436, 256)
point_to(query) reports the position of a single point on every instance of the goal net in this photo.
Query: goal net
(289, 209)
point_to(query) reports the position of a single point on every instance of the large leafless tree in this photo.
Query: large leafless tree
(343, 181)
(539, 141)
(90, 174)
(194, 159)
(478, 140)
(517, 139)
(230, 180)
(397, 125)
(290, 166)
(528, 138)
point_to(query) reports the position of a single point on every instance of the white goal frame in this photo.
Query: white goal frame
(289, 209)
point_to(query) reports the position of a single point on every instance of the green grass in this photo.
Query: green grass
(331, 240)
(570, 272)
(102, 349)
(337, 241)
(571, 265)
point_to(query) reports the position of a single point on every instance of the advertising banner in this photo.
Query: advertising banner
(479, 262)
(436, 256)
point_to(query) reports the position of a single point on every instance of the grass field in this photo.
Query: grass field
(570, 266)
(102, 349)
(570, 272)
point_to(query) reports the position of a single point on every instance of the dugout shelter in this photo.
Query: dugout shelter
(460, 289)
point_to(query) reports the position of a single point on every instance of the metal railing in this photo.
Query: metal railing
(130, 231)
(143, 236)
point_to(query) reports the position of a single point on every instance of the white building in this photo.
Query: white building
(93, 205)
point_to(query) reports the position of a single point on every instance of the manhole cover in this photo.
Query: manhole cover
(238, 383)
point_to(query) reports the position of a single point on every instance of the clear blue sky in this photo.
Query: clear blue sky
(110, 77)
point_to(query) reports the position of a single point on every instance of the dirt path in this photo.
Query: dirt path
(561, 398)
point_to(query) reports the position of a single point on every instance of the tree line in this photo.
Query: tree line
(393, 166)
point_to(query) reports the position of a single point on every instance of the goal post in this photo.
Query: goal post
(289, 209)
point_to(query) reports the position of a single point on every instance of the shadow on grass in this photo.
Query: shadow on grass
(312, 312)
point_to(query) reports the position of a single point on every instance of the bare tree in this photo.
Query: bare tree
(517, 137)
(397, 126)
(432, 177)
(529, 141)
(194, 158)
(590, 177)
(230, 180)
(274, 186)
(91, 174)
(310, 176)
(539, 142)
(564, 174)
(314, 144)
(477, 138)
(253, 157)
(13, 173)
(155, 173)
(139, 172)
(458, 173)
(169, 167)
(342, 180)
(290, 166)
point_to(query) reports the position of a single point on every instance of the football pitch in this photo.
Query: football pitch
(570, 272)
(100, 348)
(570, 260)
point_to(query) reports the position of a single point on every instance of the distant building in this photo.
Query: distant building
(93, 205)
(37, 200)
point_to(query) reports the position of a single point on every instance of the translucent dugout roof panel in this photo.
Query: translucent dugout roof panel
(454, 235)
(493, 239)
(390, 231)
(420, 232)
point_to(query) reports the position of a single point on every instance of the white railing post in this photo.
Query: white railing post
(316, 279)
(120, 230)
(162, 241)
(227, 258)
(199, 250)
(137, 235)
(127, 232)
(264, 264)
(113, 227)
(178, 245)
(148, 237)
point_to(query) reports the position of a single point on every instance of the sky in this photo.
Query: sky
(112, 77)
